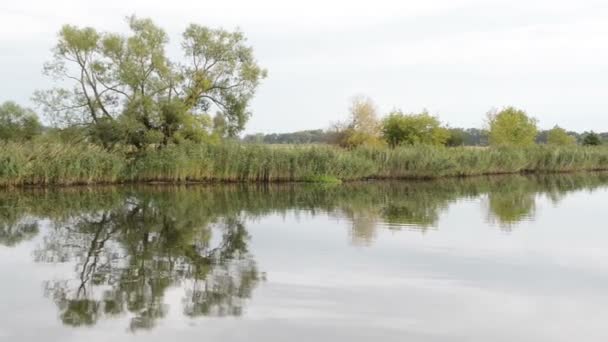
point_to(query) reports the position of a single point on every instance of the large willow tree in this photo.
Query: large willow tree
(123, 87)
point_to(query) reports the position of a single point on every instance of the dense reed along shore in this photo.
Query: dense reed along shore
(62, 164)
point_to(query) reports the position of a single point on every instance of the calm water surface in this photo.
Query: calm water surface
(487, 259)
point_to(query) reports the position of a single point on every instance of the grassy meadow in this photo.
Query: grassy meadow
(23, 164)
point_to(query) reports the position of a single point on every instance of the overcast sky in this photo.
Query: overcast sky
(456, 58)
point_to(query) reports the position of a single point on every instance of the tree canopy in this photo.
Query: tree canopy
(511, 127)
(592, 139)
(362, 127)
(399, 128)
(18, 123)
(558, 136)
(125, 87)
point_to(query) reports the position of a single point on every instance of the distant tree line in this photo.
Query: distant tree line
(457, 137)
(506, 127)
(315, 136)
(587, 137)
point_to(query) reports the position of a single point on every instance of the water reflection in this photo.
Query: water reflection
(514, 202)
(128, 256)
(129, 246)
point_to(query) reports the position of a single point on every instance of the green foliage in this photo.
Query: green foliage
(456, 138)
(511, 127)
(126, 89)
(592, 139)
(542, 136)
(67, 135)
(475, 137)
(413, 129)
(18, 123)
(559, 137)
(300, 137)
(106, 132)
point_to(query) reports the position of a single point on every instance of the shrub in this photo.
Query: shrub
(413, 129)
(511, 127)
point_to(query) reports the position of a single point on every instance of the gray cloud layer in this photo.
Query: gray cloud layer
(456, 58)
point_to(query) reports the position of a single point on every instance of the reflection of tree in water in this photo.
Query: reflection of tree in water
(363, 226)
(511, 203)
(513, 199)
(126, 259)
(11, 234)
(216, 289)
(131, 244)
(413, 205)
(418, 205)
(510, 207)
(399, 204)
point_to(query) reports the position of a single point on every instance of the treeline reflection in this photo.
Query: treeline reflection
(130, 245)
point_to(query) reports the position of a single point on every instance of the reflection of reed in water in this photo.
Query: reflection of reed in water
(396, 205)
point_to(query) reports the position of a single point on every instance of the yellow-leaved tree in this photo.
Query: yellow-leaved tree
(362, 127)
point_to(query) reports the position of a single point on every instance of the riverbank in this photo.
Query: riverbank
(62, 164)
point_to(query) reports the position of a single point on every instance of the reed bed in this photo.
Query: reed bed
(61, 164)
(58, 164)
